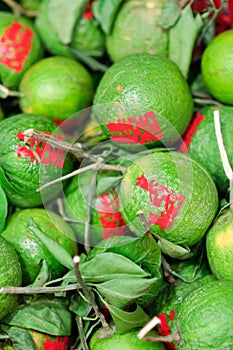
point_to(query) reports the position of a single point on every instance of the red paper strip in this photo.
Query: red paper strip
(111, 219)
(140, 129)
(41, 151)
(160, 196)
(15, 46)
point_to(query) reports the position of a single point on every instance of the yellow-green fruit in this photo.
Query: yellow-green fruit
(176, 195)
(204, 319)
(219, 246)
(217, 67)
(143, 99)
(136, 30)
(56, 87)
(20, 48)
(31, 250)
(126, 341)
(10, 275)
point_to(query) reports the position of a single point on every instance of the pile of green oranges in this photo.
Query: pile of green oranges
(105, 139)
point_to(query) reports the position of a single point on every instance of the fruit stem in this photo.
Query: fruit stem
(155, 321)
(85, 288)
(167, 339)
(148, 327)
(5, 92)
(225, 161)
(146, 225)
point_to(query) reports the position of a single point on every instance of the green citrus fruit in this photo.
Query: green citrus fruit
(204, 320)
(10, 275)
(23, 170)
(142, 99)
(87, 35)
(136, 30)
(176, 195)
(20, 48)
(188, 275)
(217, 69)
(30, 248)
(219, 246)
(202, 145)
(177, 293)
(126, 341)
(56, 87)
(106, 219)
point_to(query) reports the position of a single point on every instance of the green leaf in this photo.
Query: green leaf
(80, 306)
(63, 16)
(3, 209)
(4, 181)
(171, 12)
(126, 321)
(21, 339)
(105, 12)
(104, 184)
(182, 38)
(198, 86)
(125, 290)
(54, 248)
(173, 250)
(144, 251)
(43, 276)
(47, 315)
(108, 266)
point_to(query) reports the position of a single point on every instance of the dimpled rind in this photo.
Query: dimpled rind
(204, 320)
(169, 174)
(25, 175)
(140, 84)
(31, 250)
(11, 275)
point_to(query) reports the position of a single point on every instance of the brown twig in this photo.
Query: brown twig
(38, 290)
(207, 101)
(18, 9)
(75, 149)
(167, 339)
(89, 211)
(167, 271)
(63, 215)
(95, 166)
(85, 288)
